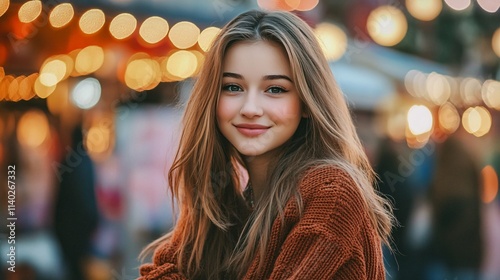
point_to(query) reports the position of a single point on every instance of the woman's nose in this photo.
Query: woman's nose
(251, 106)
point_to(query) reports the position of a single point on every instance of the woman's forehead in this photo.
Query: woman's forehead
(265, 57)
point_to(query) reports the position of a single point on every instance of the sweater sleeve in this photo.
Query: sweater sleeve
(330, 239)
(164, 265)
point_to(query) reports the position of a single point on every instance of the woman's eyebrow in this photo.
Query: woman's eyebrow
(267, 77)
(232, 75)
(277, 77)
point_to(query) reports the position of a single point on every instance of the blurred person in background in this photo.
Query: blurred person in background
(76, 213)
(404, 175)
(457, 245)
(266, 100)
(491, 217)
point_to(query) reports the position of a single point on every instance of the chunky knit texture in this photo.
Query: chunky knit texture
(333, 239)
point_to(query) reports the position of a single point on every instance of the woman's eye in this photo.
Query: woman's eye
(231, 88)
(275, 90)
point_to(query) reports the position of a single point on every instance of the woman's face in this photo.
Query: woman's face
(259, 108)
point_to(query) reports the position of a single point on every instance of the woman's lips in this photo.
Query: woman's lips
(251, 130)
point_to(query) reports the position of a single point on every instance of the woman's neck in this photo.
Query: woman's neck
(258, 171)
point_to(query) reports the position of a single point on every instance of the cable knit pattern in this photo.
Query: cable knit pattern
(333, 239)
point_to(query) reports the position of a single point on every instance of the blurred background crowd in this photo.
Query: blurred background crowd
(91, 95)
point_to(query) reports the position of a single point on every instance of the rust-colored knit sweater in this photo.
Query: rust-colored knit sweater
(333, 239)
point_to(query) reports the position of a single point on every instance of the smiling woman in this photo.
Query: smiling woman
(266, 102)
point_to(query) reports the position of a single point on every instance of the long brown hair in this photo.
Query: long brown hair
(216, 238)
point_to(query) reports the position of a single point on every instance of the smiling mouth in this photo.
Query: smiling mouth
(251, 130)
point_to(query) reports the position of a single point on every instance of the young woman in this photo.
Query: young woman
(266, 102)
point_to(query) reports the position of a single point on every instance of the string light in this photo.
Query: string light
(184, 34)
(92, 21)
(424, 10)
(4, 6)
(153, 29)
(30, 11)
(61, 15)
(122, 26)
(387, 25)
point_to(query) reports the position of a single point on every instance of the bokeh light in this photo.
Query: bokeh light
(491, 94)
(92, 21)
(55, 69)
(490, 184)
(416, 83)
(86, 93)
(33, 129)
(42, 90)
(153, 29)
(184, 34)
(207, 36)
(61, 15)
(142, 74)
(25, 88)
(288, 5)
(52, 72)
(4, 86)
(332, 39)
(490, 6)
(458, 5)
(89, 60)
(13, 90)
(424, 10)
(122, 26)
(29, 11)
(419, 119)
(470, 91)
(200, 59)
(271, 4)
(165, 75)
(495, 42)
(67, 60)
(98, 140)
(182, 64)
(387, 25)
(396, 124)
(307, 5)
(476, 121)
(4, 6)
(448, 117)
(58, 101)
(438, 88)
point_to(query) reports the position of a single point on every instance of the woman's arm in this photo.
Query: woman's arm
(164, 266)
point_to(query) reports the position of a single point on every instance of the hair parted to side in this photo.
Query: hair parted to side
(214, 237)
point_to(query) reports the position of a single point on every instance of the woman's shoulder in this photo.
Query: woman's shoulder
(329, 184)
(317, 177)
(332, 197)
